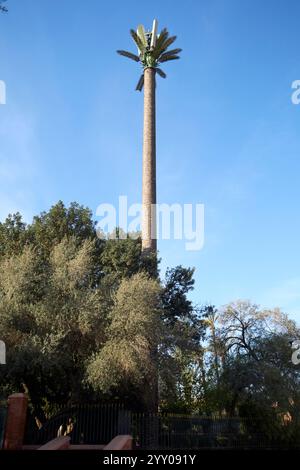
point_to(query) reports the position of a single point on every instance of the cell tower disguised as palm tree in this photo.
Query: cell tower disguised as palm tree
(152, 51)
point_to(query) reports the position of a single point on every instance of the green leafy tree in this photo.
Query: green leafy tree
(59, 298)
(181, 351)
(49, 228)
(13, 235)
(256, 363)
(122, 258)
(126, 364)
(51, 319)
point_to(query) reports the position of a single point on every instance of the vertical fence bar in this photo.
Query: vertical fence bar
(3, 411)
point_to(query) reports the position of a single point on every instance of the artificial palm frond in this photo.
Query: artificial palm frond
(141, 34)
(163, 35)
(160, 40)
(169, 57)
(137, 40)
(140, 83)
(129, 55)
(172, 52)
(161, 72)
(168, 43)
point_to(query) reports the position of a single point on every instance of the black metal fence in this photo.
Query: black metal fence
(2, 423)
(85, 423)
(196, 432)
(98, 424)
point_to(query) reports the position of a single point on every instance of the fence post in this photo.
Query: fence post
(2, 424)
(16, 420)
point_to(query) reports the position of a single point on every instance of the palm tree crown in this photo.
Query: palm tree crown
(152, 50)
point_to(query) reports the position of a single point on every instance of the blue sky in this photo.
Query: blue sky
(227, 131)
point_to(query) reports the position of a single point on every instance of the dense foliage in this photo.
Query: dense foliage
(89, 319)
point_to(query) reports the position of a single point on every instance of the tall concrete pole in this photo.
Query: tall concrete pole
(149, 242)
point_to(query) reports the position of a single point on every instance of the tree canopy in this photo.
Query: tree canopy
(74, 307)
(85, 318)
